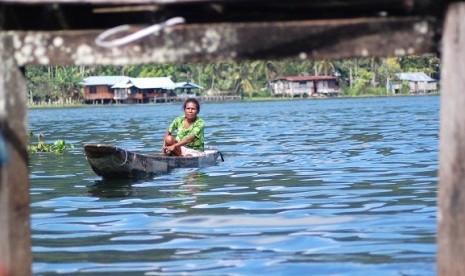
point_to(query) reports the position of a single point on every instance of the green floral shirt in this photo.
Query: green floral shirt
(196, 129)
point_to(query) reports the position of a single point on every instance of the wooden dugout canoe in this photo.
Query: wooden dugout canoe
(113, 162)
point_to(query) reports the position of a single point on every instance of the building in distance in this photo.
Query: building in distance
(414, 83)
(305, 86)
(123, 89)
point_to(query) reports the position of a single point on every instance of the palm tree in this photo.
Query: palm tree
(324, 66)
(67, 81)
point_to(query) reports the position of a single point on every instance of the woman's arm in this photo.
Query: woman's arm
(183, 142)
(165, 137)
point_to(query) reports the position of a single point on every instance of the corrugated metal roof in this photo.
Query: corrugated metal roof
(418, 76)
(187, 84)
(125, 83)
(146, 83)
(102, 80)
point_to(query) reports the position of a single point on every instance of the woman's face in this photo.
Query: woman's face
(191, 110)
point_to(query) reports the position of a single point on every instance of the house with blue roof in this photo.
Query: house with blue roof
(415, 83)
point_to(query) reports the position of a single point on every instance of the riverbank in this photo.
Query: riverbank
(210, 99)
(258, 99)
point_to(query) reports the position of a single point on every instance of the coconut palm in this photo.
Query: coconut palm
(325, 67)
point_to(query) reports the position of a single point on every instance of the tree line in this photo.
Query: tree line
(247, 78)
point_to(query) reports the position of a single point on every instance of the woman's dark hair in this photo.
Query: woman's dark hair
(191, 100)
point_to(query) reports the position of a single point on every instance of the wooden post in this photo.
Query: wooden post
(451, 215)
(15, 245)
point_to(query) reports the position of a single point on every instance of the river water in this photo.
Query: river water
(308, 187)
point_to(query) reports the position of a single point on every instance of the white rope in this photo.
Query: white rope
(125, 158)
(154, 29)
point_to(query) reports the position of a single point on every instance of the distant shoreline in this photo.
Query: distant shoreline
(246, 99)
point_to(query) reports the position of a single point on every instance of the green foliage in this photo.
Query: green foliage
(405, 88)
(58, 147)
(350, 92)
(357, 76)
(264, 93)
(362, 82)
(429, 65)
(376, 91)
(55, 83)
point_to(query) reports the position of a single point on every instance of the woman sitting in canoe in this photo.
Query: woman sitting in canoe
(189, 129)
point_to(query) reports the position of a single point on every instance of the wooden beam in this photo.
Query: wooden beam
(451, 215)
(317, 39)
(54, 15)
(15, 255)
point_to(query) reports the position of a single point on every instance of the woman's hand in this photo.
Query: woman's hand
(169, 149)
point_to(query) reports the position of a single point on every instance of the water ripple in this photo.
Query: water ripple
(344, 186)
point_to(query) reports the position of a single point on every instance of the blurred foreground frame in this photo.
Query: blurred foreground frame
(69, 32)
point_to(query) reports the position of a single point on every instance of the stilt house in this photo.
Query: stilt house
(416, 83)
(98, 89)
(143, 90)
(187, 89)
(304, 86)
(121, 89)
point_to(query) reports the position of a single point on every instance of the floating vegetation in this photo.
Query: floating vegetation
(58, 147)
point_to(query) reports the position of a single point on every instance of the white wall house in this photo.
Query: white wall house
(304, 86)
(417, 83)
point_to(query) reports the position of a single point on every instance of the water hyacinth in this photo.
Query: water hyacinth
(58, 147)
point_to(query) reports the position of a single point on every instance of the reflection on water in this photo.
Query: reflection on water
(112, 188)
(342, 186)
